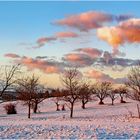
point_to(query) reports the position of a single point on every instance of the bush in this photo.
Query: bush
(10, 108)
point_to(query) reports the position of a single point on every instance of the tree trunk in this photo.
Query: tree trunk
(83, 104)
(29, 109)
(35, 107)
(63, 108)
(101, 102)
(57, 105)
(122, 101)
(138, 110)
(71, 110)
(112, 102)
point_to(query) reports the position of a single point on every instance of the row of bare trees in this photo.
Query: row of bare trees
(75, 89)
(30, 91)
(27, 89)
(78, 90)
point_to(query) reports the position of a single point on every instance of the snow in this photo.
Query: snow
(95, 122)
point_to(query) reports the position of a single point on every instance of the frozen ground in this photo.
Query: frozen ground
(95, 122)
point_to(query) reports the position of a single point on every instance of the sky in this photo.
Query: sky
(101, 38)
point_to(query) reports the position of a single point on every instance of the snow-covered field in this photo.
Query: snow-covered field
(95, 122)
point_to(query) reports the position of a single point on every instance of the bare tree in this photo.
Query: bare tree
(8, 77)
(113, 95)
(40, 94)
(70, 80)
(122, 91)
(85, 94)
(101, 90)
(133, 84)
(26, 89)
(56, 98)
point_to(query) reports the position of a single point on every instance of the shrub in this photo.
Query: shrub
(10, 108)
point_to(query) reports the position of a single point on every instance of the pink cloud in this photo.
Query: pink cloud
(79, 59)
(100, 76)
(85, 21)
(43, 65)
(131, 30)
(46, 66)
(73, 57)
(92, 52)
(112, 35)
(126, 32)
(12, 55)
(43, 40)
(66, 34)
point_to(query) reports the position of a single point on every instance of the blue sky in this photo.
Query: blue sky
(26, 22)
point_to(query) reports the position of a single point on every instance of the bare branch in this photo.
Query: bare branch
(8, 77)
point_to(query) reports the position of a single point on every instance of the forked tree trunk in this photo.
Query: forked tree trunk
(83, 104)
(122, 101)
(101, 102)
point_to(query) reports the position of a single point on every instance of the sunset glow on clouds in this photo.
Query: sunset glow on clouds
(92, 52)
(66, 34)
(45, 66)
(85, 21)
(100, 76)
(43, 40)
(86, 38)
(11, 55)
(126, 32)
(89, 20)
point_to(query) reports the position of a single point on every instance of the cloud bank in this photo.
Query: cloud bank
(126, 32)
(89, 20)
